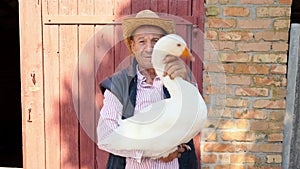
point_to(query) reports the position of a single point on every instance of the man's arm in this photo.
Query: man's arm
(110, 113)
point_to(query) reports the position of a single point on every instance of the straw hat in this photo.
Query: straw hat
(145, 17)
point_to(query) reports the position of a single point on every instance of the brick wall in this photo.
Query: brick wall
(245, 67)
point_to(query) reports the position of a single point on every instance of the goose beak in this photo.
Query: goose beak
(186, 54)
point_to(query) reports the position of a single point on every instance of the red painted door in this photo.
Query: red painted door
(67, 48)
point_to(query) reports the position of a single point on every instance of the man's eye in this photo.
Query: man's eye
(141, 42)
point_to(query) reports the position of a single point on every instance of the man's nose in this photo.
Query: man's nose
(149, 46)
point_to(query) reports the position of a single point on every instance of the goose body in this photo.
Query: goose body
(158, 129)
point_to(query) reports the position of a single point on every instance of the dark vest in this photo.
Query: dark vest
(123, 85)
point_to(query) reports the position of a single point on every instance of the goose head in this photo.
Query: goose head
(171, 44)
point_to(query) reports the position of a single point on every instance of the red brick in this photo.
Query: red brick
(224, 158)
(209, 78)
(224, 2)
(236, 36)
(269, 104)
(210, 56)
(209, 158)
(244, 158)
(273, 11)
(268, 80)
(263, 167)
(219, 112)
(212, 11)
(232, 102)
(257, 1)
(235, 57)
(283, 24)
(277, 115)
(217, 90)
(274, 159)
(251, 69)
(244, 91)
(270, 58)
(225, 124)
(220, 23)
(254, 24)
(278, 69)
(265, 148)
(211, 35)
(242, 124)
(254, 47)
(237, 136)
(218, 67)
(230, 166)
(237, 80)
(275, 137)
(211, 123)
(259, 125)
(209, 136)
(285, 2)
(220, 45)
(280, 46)
(236, 11)
(276, 126)
(279, 92)
(241, 147)
(250, 114)
(218, 147)
(272, 36)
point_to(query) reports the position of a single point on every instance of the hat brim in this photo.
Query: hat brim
(129, 25)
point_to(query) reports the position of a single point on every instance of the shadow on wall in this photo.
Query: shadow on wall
(295, 14)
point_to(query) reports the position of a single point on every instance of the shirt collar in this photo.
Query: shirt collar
(142, 79)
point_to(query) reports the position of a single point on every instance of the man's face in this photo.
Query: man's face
(142, 44)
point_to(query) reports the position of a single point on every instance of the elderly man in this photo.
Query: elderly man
(132, 90)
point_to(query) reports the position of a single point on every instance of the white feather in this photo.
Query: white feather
(162, 126)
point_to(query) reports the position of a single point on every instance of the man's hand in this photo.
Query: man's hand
(175, 67)
(172, 156)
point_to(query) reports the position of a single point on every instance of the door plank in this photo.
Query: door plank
(86, 87)
(104, 7)
(104, 67)
(122, 8)
(86, 96)
(163, 6)
(32, 96)
(51, 73)
(52, 113)
(138, 5)
(68, 88)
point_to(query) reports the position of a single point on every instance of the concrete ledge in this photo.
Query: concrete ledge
(291, 102)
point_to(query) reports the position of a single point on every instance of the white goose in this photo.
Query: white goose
(159, 128)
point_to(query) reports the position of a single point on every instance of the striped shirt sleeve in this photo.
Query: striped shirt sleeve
(110, 113)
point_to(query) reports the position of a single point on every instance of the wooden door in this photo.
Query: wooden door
(67, 48)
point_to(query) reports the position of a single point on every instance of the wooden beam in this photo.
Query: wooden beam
(101, 20)
(69, 20)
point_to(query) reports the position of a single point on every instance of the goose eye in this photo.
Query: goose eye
(178, 45)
